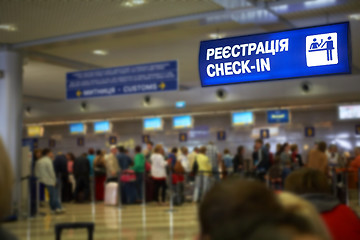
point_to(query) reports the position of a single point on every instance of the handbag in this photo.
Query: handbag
(128, 176)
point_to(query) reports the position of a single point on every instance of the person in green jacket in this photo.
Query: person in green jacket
(139, 169)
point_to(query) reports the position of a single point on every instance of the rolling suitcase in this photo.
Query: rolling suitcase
(111, 193)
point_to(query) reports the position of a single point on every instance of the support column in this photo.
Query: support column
(11, 114)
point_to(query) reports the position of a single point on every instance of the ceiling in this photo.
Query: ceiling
(59, 36)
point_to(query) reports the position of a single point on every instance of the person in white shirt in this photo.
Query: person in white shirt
(158, 173)
(333, 156)
(44, 171)
(183, 158)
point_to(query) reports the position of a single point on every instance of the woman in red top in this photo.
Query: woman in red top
(312, 184)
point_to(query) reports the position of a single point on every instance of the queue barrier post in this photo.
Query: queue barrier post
(334, 181)
(143, 185)
(119, 191)
(171, 203)
(346, 187)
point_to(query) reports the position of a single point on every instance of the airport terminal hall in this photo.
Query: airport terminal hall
(180, 119)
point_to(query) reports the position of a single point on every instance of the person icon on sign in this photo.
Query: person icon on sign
(315, 44)
(329, 48)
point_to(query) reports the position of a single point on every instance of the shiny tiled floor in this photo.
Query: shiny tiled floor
(130, 222)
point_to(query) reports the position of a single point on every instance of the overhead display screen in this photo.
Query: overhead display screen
(306, 52)
(102, 127)
(349, 112)
(278, 116)
(242, 118)
(35, 131)
(151, 124)
(185, 121)
(77, 128)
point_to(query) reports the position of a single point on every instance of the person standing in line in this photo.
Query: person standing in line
(228, 161)
(82, 173)
(99, 175)
(271, 155)
(214, 158)
(333, 156)
(124, 160)
(148, 151)
(139, 169)
(172, 158)
(62, 176)
(238, 160)
(91, 158)
(318, 159)
(112, 165)
(296, 157)
(260, 159)
(44, 171)
(285, 159)
(192, 157)
(70, 167)
(202, 180)
(158, 173)
(183, 158)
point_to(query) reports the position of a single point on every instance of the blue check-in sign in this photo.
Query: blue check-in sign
(144, 78)
(306, 52)
(264, 133)
(221, 135)
(278, 116)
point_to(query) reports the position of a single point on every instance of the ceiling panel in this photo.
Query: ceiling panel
(38, 19)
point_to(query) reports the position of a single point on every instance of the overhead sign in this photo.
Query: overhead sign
(77, 128)
(144, 78)
(152, 124)
(278, 116)
(185, 121)
(349, 112)
(242, 118)
(102, 127)
(309, 132)
(35, 131)
(305, 52)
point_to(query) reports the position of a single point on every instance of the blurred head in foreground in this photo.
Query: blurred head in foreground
(241, 209)
(6, 182)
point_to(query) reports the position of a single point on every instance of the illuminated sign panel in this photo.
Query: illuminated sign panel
(278, 116)
(35, 131)
(349, 112)
(77, 128)
(305, 52)
(153, 124)
(102, 127)
(185, 121)
(242, 118)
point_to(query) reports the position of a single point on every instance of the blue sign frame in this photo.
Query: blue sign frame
(146, 138)
(276, 56)
(142, 78)
(183, 137)
(278, 116)
(221, 135)
(264, 133)
(309, 132)
(183, 121)
(153, 124)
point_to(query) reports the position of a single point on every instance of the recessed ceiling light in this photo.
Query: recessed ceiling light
(355, 16)
(216, 35)
(8, 27)
(133, 3)
(100, 52)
